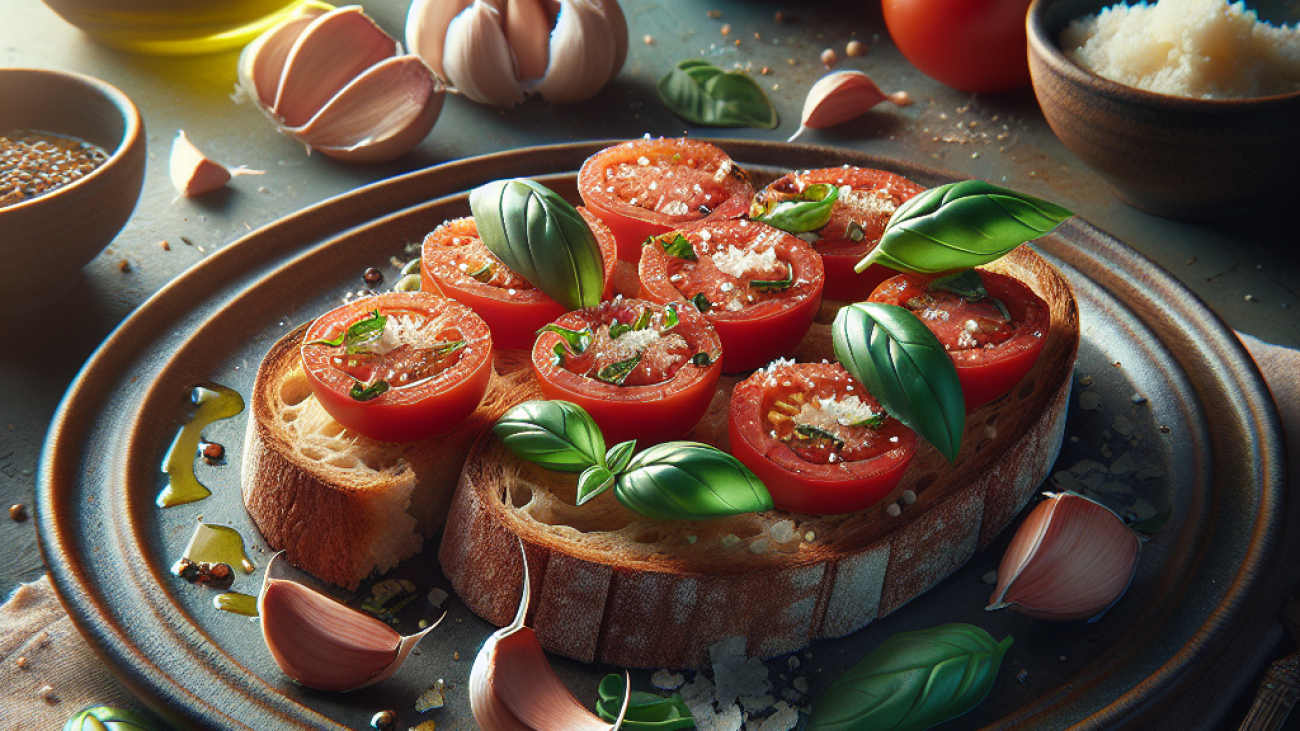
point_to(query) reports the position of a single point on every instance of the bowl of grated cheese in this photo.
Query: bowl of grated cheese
(1190, 109)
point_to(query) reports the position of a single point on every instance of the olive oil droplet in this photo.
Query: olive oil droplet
(236, 603)
(218, 544)
(213, 403)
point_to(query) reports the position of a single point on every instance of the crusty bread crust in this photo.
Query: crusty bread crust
(340, 505)
(609, 586)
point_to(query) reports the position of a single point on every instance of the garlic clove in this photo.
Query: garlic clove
(192, 172)
(838, 97)
(1071, 559)
(379, 115)
(512, 686)
(426, 29)
(528, 32)
(262, 62)
(477, 58)
(583, 49)
(332, 51)
(325, 645)
(618, 25)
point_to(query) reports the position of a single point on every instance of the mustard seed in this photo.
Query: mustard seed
(35, 163)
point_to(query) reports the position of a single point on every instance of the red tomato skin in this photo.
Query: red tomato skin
(971, 45)
(987, 374)
(648, 414)
(839, 255)
(802, 487)
(409, 413)
(750, 339)
(631, 224)
(513, 318)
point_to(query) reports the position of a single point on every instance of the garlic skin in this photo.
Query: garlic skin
(499, 51)
(338, 83)
(325, 645)
(836, 98)
(1072, 558)
(512, 686)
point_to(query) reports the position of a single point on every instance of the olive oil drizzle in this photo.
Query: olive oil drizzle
(214, 403)
(236, 602)
(215, 544)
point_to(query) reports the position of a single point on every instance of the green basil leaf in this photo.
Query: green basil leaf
(676, 245)
(959, 226)
(966, 283)
(483, 273)
(577, 340)
(670, 319)
(359, 392)
(541, 238)
(645, 711)
(903, 365)
(774, 285)
(593, 481)
(619, 455)
(690, 481)
(641, 323)
(808, 431)
(807, 210)
(443, 350)
(557, 359)
(704, 94)
(557, 435)
(913, 681)
(360, 332)
(616, 373)
(107, 718)
(871, 422)
(702, 359)
(701, 303)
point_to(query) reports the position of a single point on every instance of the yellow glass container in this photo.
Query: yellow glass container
(176, 27)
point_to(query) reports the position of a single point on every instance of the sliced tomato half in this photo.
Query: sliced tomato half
(993, 341)
(399, 366)
(642, 370)
(758, 286)
(866, 200)
(646, 187)
(815, 437)
(455, 262)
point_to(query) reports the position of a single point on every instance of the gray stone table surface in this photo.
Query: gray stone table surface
(1245, 269)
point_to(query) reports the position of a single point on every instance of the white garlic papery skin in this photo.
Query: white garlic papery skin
(512, 686)
(498, 51)
(1071, 559)
(338, 83)
(325, 645)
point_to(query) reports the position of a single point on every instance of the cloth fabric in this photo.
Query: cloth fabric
(48, 673)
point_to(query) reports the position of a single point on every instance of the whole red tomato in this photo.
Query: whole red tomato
(972, 45)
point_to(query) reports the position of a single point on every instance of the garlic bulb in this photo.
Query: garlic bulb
(1071, 559)
(512, 686)
(836, 98)
(498, 51)
(338, 83)
(325, 645)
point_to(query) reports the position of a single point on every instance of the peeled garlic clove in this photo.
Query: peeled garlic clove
(583, 49)
(478, 59)
(332, 51)
(391, 106)
(512, 686)
(262, 62)
(836, 98)
(426, 29)
(527, 22)
(192, 172)
(324, 645)
(1071, 559)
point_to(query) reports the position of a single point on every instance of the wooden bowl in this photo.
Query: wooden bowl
(46, 240)
(1177, 157)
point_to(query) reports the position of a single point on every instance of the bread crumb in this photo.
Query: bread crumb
(829, 58)
(455, 656)
(893, 510)
(855, 48)
(909, 497)
(730, 540)
(665, 680)
(649, 40)
(809, 536)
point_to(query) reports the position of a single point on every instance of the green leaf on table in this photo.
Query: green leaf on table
(558, 435)
(807, 210)
(108, 718)
(542, 238)
(960, 226)
(645, 711)
(905, 367)
(913, 681)
(704, 94)
(689, 481)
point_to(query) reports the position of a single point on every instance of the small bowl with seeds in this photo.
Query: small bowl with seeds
(72, 157)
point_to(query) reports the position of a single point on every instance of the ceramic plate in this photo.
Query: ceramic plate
(1168, 415)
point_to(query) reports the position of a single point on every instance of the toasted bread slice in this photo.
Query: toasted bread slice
(610, 586)
(341, 505)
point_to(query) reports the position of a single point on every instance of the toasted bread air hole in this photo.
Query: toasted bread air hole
(520, 494)
(295, 389)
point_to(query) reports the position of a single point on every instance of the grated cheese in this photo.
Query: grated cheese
(739, 262)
